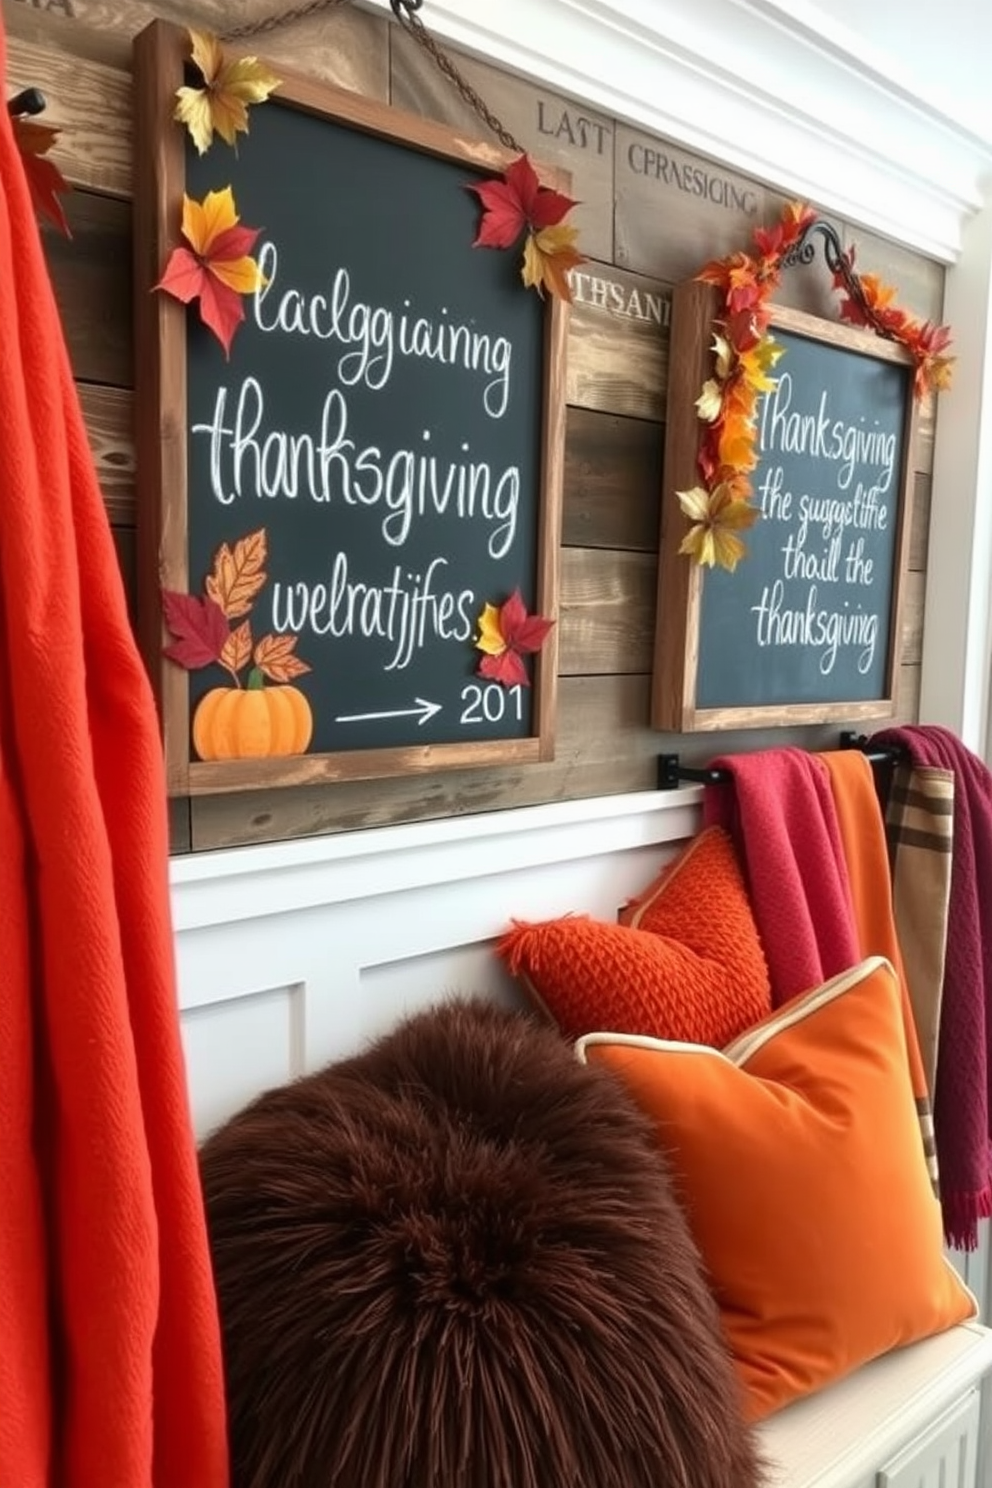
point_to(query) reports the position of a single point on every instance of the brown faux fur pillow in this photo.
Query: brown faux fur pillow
(455, 1261)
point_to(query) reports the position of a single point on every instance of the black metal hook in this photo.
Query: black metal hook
(29, 101)
(405, 8)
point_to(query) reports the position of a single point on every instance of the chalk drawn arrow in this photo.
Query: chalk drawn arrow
(422, 712)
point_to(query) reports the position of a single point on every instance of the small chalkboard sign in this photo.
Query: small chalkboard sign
(382, 447)
(806, 628)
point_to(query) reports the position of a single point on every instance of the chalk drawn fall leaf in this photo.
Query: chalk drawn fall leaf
(506, 634)
(238, 574)
(215, 264)
(237, 649)
(274, 658)
(45, 181)
(199, 628)
(229, 87)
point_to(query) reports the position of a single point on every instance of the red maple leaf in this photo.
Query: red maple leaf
(516, 202)
(507, 635)
(199, 626)
(214, 265)
(45, 180)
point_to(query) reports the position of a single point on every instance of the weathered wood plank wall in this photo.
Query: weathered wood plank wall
(650, 215)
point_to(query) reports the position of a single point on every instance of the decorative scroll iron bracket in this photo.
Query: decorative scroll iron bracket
(840, 264)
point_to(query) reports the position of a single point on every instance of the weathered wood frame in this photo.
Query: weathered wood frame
(695, 306)
(160, 55)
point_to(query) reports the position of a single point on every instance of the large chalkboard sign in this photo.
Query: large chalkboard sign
(806, 628)
(387, 432)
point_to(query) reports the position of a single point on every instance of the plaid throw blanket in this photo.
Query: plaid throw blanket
(964, 1058)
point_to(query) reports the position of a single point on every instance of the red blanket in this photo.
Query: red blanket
(779, 808)
(110, 1371)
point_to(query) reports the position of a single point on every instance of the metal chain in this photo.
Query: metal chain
(280, 18)
(405, 12)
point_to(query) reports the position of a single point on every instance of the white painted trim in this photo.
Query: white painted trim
(221, 888)
(776, 90)
(957, 635)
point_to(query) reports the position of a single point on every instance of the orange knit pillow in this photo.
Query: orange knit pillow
(796, 1153)
(695, 971)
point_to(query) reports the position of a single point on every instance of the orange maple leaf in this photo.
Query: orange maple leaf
(45, 181)
(274, 657)
(238, 574)
(216, 267)
(548, 257)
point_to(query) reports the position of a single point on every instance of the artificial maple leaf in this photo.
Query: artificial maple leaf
(45, 181)
(757, 362)
(517, 202)
(744, 289)
(548, 257)
(228, 88)
(199, 626)
(506, 635)
(934, 371)
(737, 446)
(274, 657)
(237, 649)
(717, 518)
(709, 404)
(723, 354)
(238, 574)
(773, 242)
(216, 267)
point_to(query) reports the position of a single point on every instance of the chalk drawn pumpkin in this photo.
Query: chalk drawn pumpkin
(252, 723)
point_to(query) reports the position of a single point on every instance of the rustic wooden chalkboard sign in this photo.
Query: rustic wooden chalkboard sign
(391, 419)
(806, 628)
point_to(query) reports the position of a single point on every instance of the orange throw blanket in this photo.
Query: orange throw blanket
(110, 1365)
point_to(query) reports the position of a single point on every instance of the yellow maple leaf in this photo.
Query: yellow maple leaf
(717, 517)
(490, 639)
(757, 363)
(548, 257)
(208, 228)
(709, 404)
(228, 89)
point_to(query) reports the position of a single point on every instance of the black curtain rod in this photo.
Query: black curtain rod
(671, 773)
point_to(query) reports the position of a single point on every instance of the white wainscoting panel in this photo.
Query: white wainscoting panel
(293, 955)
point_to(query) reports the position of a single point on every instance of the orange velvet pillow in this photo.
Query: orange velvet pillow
(797, 1155)
(688, 966)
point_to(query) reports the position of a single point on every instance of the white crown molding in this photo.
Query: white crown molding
(770, 88)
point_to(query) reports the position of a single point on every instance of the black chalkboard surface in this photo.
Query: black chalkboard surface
(388, 427)
(805, 628)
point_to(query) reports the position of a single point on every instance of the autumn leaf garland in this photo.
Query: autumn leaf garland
(721, 507)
